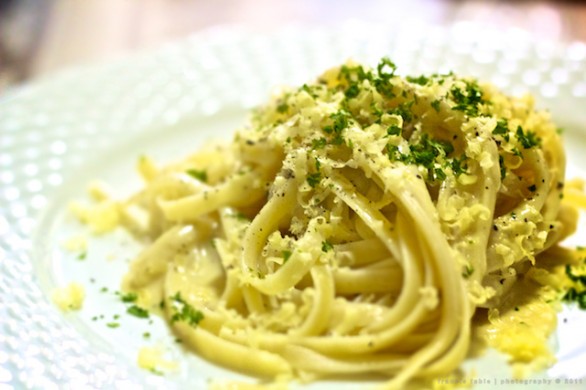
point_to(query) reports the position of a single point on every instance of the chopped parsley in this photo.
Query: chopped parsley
(393, 152)
(527, 139)
(385, 71)
(425, 152)
(439, 174)
(137, 311)
(421, 156)
(394, 130)
(432, 154)
(384, 87)
(282, 108)
(129, 297)
(574, 296)
(197, 174)
(326, 246)
(82, 256)
(502, 167)
(319, 143)
(309, 89)
(352, 91)
(467, 100)
(436, 105)
(575, 278)
(354, 74)
(502, 128)
(239, 216)
(286, 254)
(459, 166)
(420, 80)
(184, 311)
(314, 179)
(468, 271)
(340, 122)
(386, 68)
(403, 110)
(113, 324)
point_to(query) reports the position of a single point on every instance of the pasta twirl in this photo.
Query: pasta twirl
(354, 226)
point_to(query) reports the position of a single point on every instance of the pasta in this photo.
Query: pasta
(354, 226)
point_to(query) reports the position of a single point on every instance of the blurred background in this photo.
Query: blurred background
(38, 37)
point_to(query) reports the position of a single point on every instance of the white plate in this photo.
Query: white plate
(60, 133)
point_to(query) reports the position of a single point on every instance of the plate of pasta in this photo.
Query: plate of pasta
(340, 211)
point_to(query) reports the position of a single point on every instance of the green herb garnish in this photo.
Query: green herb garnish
(575, 278)
(468, 271)
(239, 216)
(137, 311)
(352, 91)
(184, 311)
(340, 122)
(129, 297)
(386, 68)
(574, 296)
(502, 166)
(436, 105)
(403, 110)
(439, 174)
(420, 80)
(459, 166)
(314, 179)
(286, 255)
(394, 130)
(502, 128)
(197, 174)
(467, 100)
(319, 143)
(326, 246)
(527, 139)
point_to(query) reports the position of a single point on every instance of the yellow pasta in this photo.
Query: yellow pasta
(355, 225)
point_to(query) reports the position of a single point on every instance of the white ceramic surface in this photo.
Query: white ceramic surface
(58, 134)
